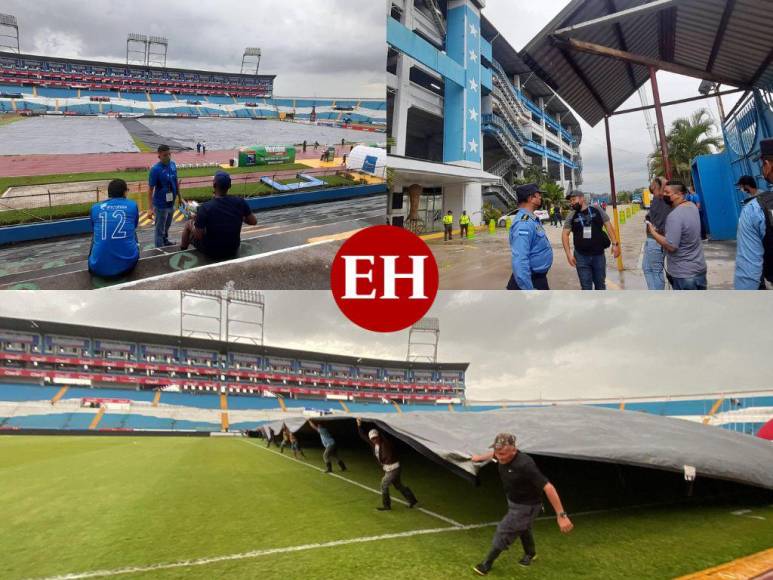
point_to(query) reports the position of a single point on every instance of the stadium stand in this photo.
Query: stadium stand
(64, 86)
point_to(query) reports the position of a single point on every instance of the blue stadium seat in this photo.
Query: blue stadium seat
(245, 402)
(26, 392)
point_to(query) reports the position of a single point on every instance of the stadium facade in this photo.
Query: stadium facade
(466, 113)
(31, 84)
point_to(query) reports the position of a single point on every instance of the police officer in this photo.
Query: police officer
(532, 255)
(750, 255)
(464, 225)
(524, 484)
(448, 225)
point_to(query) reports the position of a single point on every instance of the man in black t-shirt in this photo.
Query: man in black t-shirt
(523, 483)
(217, 228)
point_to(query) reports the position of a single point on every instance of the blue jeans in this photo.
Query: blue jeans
(652, 265)
(163, 221)
(592, 271)
(698, 282)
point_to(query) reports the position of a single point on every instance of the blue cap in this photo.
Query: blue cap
(222, 181)
(524, 192)
(766, 149)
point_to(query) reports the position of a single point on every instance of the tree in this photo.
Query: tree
(688, 138)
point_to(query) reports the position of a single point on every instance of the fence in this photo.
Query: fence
(50, 204)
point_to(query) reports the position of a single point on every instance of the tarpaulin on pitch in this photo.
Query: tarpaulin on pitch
(578, 432)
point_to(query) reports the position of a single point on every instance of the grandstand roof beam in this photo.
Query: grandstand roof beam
(606, 51)
(618, 16)
(720, 34)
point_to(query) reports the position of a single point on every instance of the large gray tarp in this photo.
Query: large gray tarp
(579, 432)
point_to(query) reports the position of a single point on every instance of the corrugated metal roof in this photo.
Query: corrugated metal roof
(684, 33)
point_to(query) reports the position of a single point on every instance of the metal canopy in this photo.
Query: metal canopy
(728, 40)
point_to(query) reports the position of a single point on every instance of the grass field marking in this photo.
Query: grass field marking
(302, 547)
(360, 485)
(255, 554)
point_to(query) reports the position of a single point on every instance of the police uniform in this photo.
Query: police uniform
(750, 251)
(532, 255)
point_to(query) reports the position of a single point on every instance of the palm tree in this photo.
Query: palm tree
(688, 138)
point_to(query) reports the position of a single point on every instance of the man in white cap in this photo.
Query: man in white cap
(387, 457)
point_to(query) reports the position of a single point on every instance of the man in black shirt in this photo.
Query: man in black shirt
(524, 484)
(217, 228)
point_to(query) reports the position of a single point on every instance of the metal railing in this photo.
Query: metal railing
(496, 127)
(52, 205)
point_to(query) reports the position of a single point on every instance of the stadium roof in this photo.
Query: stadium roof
(513, 64)
(582, 433)
(117, 334)
(724, 41)
(16, 56)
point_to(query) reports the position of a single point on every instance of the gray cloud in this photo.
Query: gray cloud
(333, 48)
(519, 22)
(553, 345)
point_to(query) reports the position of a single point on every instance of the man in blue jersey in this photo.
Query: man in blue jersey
(163, 190)
(114, 248)
(331, 449)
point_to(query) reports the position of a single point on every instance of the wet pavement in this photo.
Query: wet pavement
(483, 263)
(61, 264)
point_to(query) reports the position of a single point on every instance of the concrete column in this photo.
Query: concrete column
(463, 196)
(517, 82)
(544, 133)
(402, 100)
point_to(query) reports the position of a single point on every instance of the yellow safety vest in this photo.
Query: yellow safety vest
(464, 220)
(448, 219)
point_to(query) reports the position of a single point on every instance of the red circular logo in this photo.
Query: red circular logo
(384, 278)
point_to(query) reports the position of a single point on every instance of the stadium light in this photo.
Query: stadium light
(134, 37)
(158, 40)
(252, 52)
(8, 20)
(424, 349)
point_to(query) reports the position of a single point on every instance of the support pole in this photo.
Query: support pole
(661, 125)
(613, 191)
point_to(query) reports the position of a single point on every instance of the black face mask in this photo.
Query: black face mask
(667, 200)
(577, 206)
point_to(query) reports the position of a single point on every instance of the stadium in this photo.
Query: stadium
(460, 144)
(69, 126)
(144, 455)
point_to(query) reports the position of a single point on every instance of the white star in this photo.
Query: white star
(473, 85)
(473, 145)
(473, 30)
(473, 114)
(473, 56)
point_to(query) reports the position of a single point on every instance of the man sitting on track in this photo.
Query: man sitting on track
(387, 457)
(217, 228)
(524, 484)
(329, 444)
(114, 248)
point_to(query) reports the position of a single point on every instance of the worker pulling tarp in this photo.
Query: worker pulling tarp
(581, 433)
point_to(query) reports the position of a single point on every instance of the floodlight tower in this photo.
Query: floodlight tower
(250, 59)
(423, 338)
(135, 54)
(230, 315)
(9, 33)
(157, 57)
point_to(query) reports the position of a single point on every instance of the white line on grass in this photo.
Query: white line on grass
(360, 485)
(287, 549)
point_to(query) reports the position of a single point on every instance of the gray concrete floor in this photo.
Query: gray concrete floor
(483, 263)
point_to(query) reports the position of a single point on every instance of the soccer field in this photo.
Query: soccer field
(227, 507)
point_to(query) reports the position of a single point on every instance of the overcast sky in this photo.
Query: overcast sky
(332, 48)
(519, 22)
(549, 345)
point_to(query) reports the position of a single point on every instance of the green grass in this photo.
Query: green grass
(139, 175)
(141, 145)
(73, 504)
(8, 119)
(75, 210)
